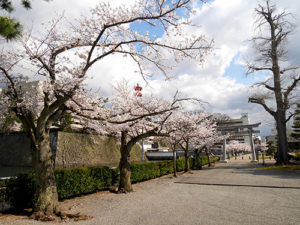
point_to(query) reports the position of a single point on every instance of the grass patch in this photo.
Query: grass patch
(266, 156)
(285, 168)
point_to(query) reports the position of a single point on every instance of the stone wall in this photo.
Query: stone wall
(70, 150)
(15, 150)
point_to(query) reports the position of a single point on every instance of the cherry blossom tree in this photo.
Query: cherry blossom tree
(63, 56)
(132, 118)
(191, 126)
(174, 137)
(235, 146)
(191, 131)
(206, 138)
(181, 128)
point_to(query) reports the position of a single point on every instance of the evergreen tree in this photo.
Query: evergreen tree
(10, 28)
(271, 148)
(296, 125)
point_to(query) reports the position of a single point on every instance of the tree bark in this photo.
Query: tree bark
(208, 159)
(43, 162)
(198, 161)
(187, 157)
(282, 150)
(125, 173)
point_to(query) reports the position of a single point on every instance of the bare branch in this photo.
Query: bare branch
(261, 102)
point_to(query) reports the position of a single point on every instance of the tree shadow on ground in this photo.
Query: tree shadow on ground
(258, 169)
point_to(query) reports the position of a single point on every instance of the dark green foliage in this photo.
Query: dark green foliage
(10, 28)
(204, 160)
(144, 171)
(26, 4)
(2, 190)
(296, 124)
(66, 122)
(70, 183)
(180, 163)
(83, 180)
(9, 120)
(165, 167)
(20, 191)
(150, 170)
(6, 5)
(271, 148)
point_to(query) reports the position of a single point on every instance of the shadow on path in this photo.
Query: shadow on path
(243, 173)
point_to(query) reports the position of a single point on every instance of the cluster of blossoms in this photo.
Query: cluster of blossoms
(236, 146)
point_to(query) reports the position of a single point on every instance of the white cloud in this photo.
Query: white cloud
(230, 23)
(112, 69)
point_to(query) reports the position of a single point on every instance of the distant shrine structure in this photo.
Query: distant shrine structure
(239, 130)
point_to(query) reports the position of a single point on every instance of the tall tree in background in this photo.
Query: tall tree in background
(296, 124)
(274, 28)
(11, 28)
(63, 57)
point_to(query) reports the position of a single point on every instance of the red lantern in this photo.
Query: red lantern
(138, 90)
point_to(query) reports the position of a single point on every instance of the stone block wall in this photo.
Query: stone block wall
(15, 150)
(70, 150)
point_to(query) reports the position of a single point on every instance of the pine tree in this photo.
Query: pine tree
(11, 29)
(296, 126)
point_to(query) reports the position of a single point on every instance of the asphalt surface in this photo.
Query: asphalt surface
(238, 192)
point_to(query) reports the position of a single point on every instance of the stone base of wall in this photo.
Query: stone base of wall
(70, 150)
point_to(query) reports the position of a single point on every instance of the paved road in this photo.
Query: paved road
(234, 193)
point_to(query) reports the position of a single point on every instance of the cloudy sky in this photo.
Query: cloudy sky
(220, 81)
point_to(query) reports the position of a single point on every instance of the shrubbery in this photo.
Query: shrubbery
(2, 190)
(83, 180)
(20, 190)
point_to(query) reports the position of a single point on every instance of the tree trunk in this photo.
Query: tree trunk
(174, 162)
(125, 183)
(282, 150)
(281, 107)
(43, 163)
(208, 159)
(187, 157)
(198, 161)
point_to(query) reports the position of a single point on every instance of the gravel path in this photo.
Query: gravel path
(192, 199)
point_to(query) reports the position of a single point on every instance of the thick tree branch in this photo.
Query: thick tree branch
(261, 102)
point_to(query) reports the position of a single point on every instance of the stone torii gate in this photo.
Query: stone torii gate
(235, 130)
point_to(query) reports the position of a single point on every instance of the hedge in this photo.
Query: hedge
(150, 170)
(20, 191)
(2, 190)
(82, 180)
